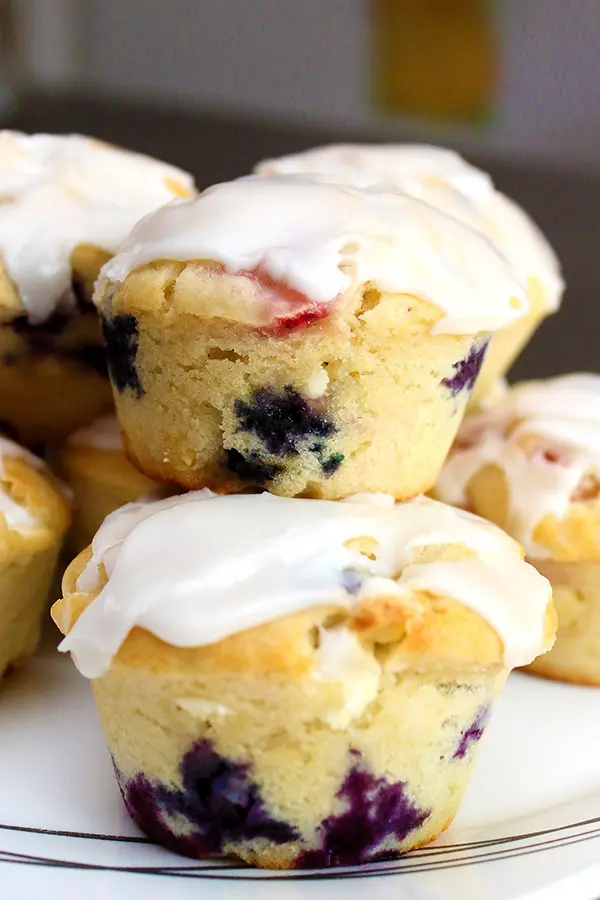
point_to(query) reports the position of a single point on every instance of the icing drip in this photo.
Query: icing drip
(320, 240)
(544, 436)
(442, 178)
(180, 570)
(58, 192)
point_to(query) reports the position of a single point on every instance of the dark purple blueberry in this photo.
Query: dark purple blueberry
(249, 467)
(121, 339)
(374, 810)
(473, 733)
(218, 800)
(466, 370)
(282, 422)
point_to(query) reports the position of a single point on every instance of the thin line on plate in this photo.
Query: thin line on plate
(218, 872)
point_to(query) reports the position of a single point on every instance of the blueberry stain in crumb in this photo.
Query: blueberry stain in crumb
(218, 802)
(282, 422)
(250, 468)
(332, 463)
(466, 370)
(375, 813)
(473, 733)
(121, 338)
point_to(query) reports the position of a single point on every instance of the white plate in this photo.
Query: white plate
(529, 826)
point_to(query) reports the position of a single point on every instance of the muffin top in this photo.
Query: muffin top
(444, 179)
(304, 243)
(32, 503)
(194, 570)
(543, 438)
(62, 192)
(103, 434)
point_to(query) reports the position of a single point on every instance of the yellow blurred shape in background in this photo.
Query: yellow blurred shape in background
(434, 58)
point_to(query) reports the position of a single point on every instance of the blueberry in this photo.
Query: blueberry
(121, 339)
(282, 422)
(374, 810)
(473, 733)
(466, 370)
(332, 463)
(218, 800)
(249, 467)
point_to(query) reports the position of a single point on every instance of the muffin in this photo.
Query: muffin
(315, 339)
(442, 178)
(531, 464)
(298, 683)
(67, 203)
(101, 478)
(34, 517)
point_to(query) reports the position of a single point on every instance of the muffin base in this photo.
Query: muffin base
(211, 764)
(101, 481)
(51, 384)
(366, 398)
(575, 657)
(24, 588)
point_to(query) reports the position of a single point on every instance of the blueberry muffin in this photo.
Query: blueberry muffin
(66, 204)
(315, 339)
(299, 683)
(442, 178)
(93, 464)
(34, 516)
(531, 464)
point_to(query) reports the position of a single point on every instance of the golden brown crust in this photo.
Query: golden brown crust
(417, 630)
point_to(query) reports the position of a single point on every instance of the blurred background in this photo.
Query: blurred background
(214, 85)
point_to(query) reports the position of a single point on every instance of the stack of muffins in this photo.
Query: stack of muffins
(294, 652)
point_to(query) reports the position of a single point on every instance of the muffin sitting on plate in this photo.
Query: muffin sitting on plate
(67, 203)
(442, 178)
(34, 517)
(298, 683)
(315, 339)
(531, 464)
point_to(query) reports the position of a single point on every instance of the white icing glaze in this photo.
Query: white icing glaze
(321, 239)
(444, 179)
(196, 568)
(17, 517)
(104, 434)
(342, 660)
(559, 417)
(57, 192)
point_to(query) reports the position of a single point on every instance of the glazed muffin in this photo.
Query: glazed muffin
(442, 178)
(531, 464)
(299, 683)
(315, 339)
(34, 517)
(67, 203)
(93, 464)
